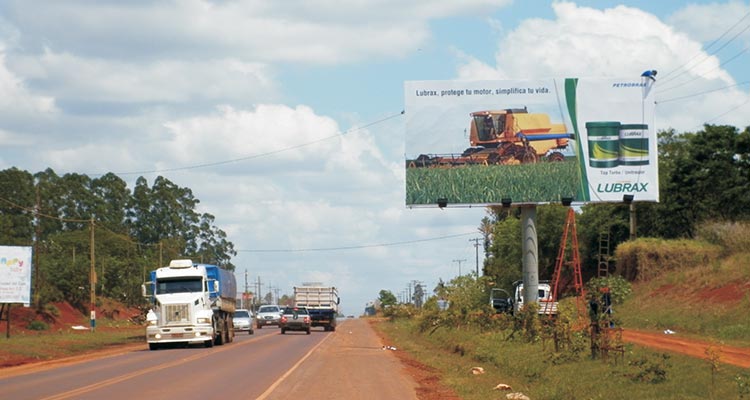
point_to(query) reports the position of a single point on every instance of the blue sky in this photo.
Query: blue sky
(111, 86)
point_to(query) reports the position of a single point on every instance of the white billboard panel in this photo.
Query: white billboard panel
(530, 141)
(15, 274)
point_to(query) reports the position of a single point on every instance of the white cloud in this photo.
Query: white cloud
(320, 32)
(292, 134)
(17, 99)
(707, 22)
(164, 81)
(619, 41)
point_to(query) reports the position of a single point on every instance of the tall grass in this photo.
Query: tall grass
(478, 184)
(536, 370)
(644, 259)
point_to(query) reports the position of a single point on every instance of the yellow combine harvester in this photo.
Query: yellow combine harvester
(509, 136)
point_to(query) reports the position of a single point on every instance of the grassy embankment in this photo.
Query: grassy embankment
(24, 347)
(679, 285)
(49, 335)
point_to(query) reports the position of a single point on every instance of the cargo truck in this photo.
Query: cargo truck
(321, 301)
(190, 303)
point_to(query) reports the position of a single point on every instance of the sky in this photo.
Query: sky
(284, 117)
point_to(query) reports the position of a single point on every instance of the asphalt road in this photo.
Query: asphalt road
(266, 365)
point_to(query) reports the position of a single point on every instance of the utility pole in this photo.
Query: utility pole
(257, 291)
(476, 248)
(92, 281)
(244, 295)
(459, 265)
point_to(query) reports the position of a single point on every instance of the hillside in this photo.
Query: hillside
(709, 298)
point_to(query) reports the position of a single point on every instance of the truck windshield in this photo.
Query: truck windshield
(179, 286)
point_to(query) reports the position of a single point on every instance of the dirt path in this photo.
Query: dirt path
(739, 356)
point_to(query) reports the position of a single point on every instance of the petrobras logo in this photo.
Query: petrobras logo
(628, 84)
(622, 187)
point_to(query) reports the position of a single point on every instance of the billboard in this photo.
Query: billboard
(530, 141)
(15, 274)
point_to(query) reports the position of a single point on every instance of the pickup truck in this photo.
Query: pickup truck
(295, 319)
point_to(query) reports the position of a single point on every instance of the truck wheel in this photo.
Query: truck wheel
(308, 331)
(153, 346)
(229, 329)
(333, 329)
(208, 343)
(218, 335)
(251, 331)
(259, 326)
(283, 331)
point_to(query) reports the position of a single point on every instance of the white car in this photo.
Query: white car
(268, 315)
(243, 320)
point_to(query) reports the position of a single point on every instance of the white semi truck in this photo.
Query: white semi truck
(321, 301)
(191, 303)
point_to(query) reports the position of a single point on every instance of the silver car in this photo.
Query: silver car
(243, 320)
(268, 315)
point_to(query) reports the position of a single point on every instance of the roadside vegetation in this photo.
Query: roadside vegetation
(560, 360)
(23, 348)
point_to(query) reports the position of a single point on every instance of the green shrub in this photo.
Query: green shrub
(37, 326)
(648, 370)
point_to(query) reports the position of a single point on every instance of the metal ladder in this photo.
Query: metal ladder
(604, 257)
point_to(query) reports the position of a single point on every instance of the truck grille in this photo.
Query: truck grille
(177, 314)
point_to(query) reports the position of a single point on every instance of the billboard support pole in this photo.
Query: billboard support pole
(5, 311)
(530, 250)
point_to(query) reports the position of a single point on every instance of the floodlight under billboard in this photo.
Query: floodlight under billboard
(533, 141)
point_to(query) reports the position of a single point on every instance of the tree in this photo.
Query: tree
(387, 298)
(113, 200)
(16, 216)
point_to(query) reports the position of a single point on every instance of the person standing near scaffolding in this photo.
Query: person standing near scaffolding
(607, 304)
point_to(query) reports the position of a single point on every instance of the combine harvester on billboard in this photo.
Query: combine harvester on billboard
(508, 136)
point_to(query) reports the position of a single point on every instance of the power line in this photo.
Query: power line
(701, 93)
(254, 156)
(366, 246)
(728, 111)
(38, 214)
(706, 73)
(708, 47)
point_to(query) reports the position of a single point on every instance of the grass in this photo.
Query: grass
(538, 372)
(711, 301)
(49, 346)
(477, 184)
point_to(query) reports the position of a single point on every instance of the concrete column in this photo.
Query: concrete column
(530, 254)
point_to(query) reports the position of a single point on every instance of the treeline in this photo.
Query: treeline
(133, 232)
(704, 177)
